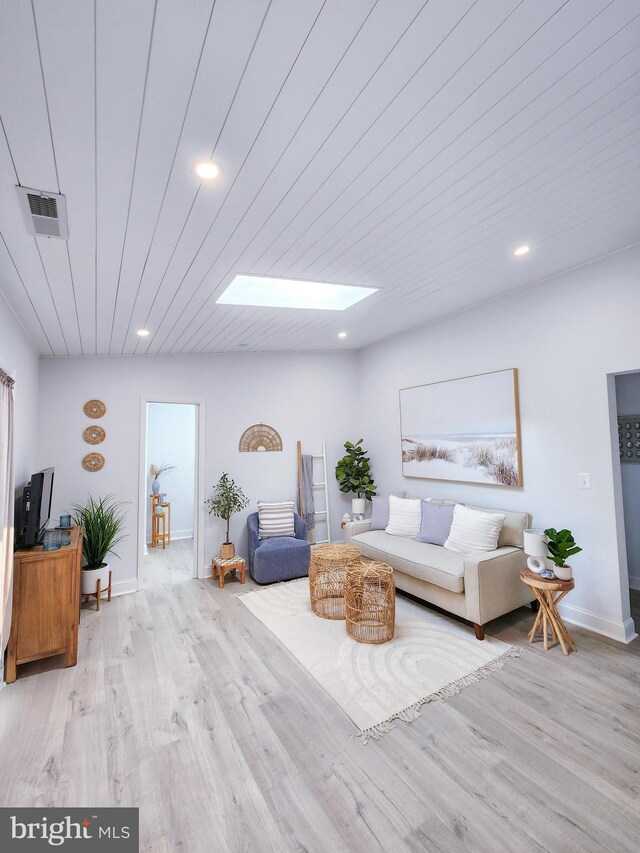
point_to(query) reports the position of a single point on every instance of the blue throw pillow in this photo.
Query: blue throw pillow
(380, 510)
(436, 523)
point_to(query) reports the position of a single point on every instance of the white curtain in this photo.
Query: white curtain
(6, 505)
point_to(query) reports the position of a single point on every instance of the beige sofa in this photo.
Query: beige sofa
(478, 588)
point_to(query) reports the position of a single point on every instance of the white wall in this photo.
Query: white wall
(307, 396)
(171, 439)
(628, 403)
(564, 336)
(19, 359)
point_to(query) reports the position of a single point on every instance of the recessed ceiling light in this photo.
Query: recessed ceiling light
(522, 250)
(207, 170)
(143, 333)
(342, 334)
(268, 292)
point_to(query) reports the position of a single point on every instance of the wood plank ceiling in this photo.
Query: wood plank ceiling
(407, 145)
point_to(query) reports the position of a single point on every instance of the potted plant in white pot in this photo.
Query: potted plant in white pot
(560, 546)
(353, 472)
(156, 472)
(103, 521)
(227, 498)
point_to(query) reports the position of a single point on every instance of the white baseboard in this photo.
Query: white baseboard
(176, 534)
(623, 632)
(630, 630)
(124, 587)
(634, 581)
(182, 534)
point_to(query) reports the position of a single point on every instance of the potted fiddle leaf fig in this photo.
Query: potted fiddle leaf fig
(353, 473)
(103, 521)
(227, 499)
(561, 546)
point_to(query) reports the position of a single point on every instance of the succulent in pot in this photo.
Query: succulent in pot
(103, 521)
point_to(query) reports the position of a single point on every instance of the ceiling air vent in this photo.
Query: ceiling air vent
(45, 213)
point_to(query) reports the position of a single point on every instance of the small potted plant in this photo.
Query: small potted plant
(103, 521)
(156, 471)
(227, 498)
(560, 546)
(353, 472)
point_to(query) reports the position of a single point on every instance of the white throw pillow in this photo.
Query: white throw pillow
(474, 532)
(275, 519)
(405, 515)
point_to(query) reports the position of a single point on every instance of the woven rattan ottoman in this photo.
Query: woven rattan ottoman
(327, 569)
(370, 602)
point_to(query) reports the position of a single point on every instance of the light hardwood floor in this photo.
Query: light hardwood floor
(183, 704)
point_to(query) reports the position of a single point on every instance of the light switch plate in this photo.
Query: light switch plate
(584, 481)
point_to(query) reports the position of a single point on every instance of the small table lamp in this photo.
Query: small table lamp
(535, 546)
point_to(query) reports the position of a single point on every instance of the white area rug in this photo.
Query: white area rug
(430, 659)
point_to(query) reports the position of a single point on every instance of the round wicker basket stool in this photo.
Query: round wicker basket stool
(327, 569)
(370, 601)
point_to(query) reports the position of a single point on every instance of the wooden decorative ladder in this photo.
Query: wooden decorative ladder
(324, 513)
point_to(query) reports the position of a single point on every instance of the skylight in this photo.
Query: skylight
(269, 292)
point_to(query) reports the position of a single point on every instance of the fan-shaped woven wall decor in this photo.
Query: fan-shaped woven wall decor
(93, 462)
(94, 434)
(260, 437)
(94, 408)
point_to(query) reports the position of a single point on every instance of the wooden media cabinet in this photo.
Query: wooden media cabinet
(46, 604)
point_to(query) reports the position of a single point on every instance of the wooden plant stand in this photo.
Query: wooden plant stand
(87, 595)
(549, 593)
(220, 567)
(160, 520)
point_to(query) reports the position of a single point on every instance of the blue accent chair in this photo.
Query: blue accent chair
(280, 558)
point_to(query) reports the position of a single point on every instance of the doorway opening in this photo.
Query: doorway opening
(170, 517)
(626, 442)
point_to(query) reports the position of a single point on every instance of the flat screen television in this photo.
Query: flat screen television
(35, 511)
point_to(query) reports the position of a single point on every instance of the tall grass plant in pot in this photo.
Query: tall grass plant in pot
(103, 521)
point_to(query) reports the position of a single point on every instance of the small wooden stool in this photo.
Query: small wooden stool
(87, 595)
(157, 535)
(549, 593)
(220, 567)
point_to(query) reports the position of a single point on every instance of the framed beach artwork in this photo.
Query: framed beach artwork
(467, 430)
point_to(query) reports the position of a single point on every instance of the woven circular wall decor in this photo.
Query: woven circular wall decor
(259, 437)
(94, 434)
(93, 462)
(94, 408)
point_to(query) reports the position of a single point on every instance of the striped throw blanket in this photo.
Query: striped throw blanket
(275, 519)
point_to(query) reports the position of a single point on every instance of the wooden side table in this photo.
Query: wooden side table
(156, 535)
(220, 567)
(327, 570)
(549, 593)
(370, 602)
